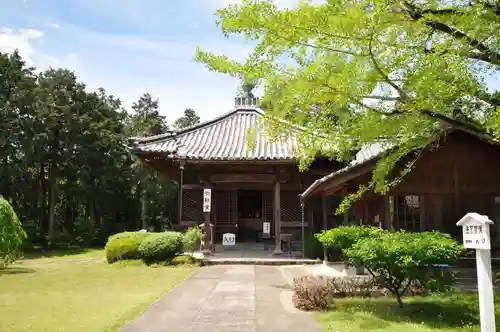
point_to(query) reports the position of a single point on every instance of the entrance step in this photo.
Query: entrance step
(252, 253)
(256, 261)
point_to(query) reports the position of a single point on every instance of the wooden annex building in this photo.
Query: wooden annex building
(250, 185)
(457, 175)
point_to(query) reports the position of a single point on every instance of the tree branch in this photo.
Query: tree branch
(382, 73)
(488, 54)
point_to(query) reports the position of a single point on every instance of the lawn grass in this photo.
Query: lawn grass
(81, 295)
(457, 312)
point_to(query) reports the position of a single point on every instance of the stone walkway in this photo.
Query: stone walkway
(229, 298)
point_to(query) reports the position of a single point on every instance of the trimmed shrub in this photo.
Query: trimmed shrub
(161, 247)
(124, 246)
(401, 261)
(311, 293)
(192, 238)
(12, 234)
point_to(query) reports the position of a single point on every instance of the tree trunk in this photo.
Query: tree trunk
(399, 299)
(52, 200)
(143, 209)
(91, 211)
(43, 225)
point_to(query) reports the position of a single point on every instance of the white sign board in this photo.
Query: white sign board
(228, 239)
(266, 228)
(476, 235)
(475, 231)
(207, 199)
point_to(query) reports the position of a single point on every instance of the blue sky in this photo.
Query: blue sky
(130, 47)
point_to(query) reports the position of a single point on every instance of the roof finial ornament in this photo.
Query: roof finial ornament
(245, 98)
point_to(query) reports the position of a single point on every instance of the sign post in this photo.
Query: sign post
(207, 207)
(476, 235)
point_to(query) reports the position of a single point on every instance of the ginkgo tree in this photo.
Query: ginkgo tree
(352, 72)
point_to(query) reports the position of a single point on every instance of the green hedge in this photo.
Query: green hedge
(124, 246)
(160, 247)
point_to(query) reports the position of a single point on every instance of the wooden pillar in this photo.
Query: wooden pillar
(180, 193)
(277, 219)
(390, 212)
(214, 211)
(323, 211)
(346, 213)
(456, 191)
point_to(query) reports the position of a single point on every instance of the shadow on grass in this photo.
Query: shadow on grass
(53, 253)
(15, 270)
(456, 310)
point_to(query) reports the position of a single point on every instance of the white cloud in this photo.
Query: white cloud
(127, 66)
(53, 25)
(20, 39)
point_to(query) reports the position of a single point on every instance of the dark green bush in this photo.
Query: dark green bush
(161, 247)
(313, 249)
(124, 246)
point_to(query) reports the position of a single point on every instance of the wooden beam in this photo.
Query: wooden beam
(243, 178)
(193, 186)
(333, 191)
(339, 179)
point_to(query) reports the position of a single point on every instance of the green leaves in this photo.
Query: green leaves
(12, 234)
(385, 71)
(399, 259)
(396, 260)
(346, 236)
(187, 120)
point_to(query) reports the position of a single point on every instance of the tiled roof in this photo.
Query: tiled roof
(366, 154)
(224, 138)
(371, 152)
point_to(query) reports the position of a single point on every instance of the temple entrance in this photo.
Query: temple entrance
(250, 214)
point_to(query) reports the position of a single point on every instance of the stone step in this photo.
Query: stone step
(257, 261)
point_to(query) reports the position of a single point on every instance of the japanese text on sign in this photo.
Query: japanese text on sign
(228, 239)
(266, 227)
(207, 200)
(476, 236)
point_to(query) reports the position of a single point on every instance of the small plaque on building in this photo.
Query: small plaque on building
(228, 239)
(207, 199)
(266, 228)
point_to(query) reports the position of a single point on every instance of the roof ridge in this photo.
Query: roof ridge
(177, 132)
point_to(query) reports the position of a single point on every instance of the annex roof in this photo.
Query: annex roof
(372, 152)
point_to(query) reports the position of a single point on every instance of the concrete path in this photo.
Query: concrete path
(229, 298)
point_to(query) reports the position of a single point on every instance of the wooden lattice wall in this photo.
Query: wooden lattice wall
(192, 208)
(267, 205)
(290, 206)
(227, 206)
